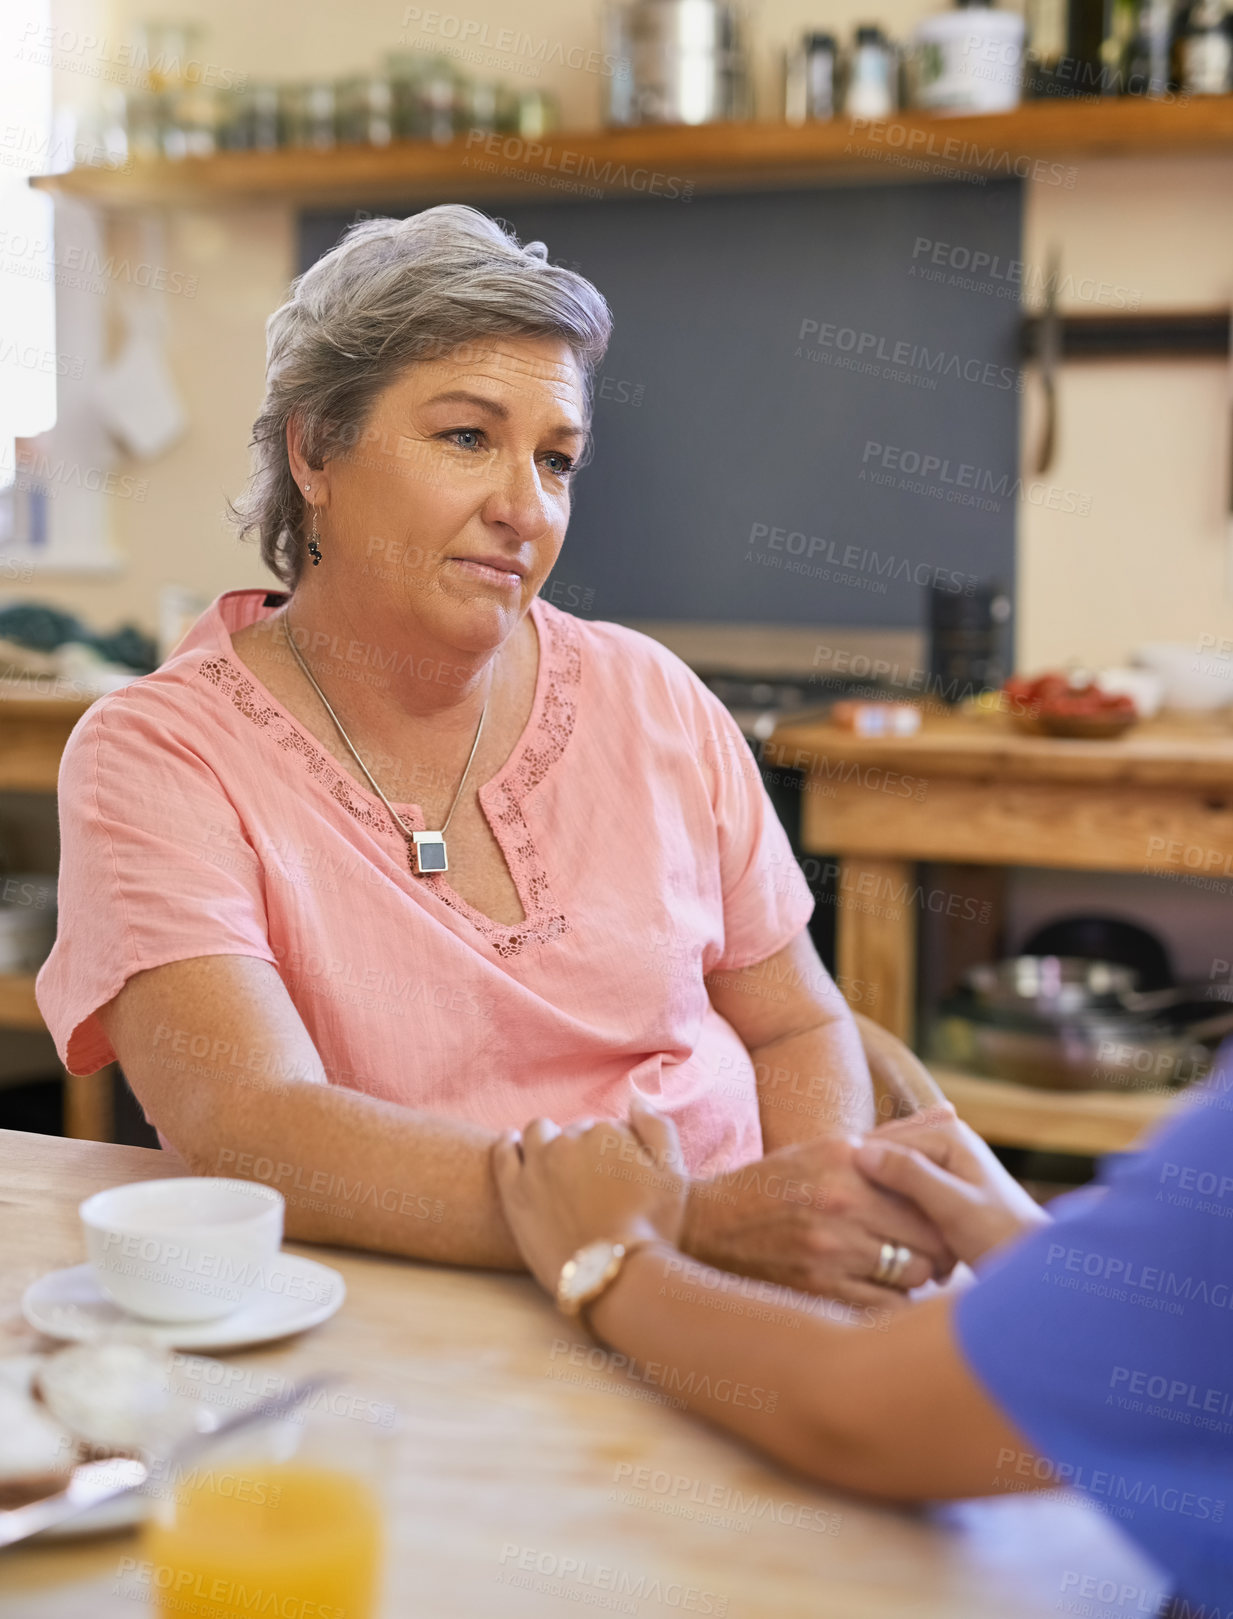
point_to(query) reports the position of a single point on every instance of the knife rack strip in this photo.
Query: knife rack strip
(1201, 334)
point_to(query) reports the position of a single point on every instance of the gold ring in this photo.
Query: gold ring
(886, 1262)
(893, 1260)
(903, 1258)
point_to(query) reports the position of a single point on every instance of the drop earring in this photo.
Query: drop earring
(314, 549)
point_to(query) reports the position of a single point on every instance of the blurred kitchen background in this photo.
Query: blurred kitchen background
(921, 384)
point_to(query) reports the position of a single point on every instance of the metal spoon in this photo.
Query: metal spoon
(95, 1482)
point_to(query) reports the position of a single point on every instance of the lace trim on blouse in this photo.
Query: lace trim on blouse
(552, 728)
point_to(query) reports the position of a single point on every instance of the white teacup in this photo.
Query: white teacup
(190, 1249)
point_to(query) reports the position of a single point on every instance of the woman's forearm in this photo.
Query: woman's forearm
(810, 1065)
(364, 1173)
(221, 1061)
(864, 1399)
(734, 1350)
(813, 1081)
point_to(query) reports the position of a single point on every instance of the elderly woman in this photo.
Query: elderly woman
(399, 857)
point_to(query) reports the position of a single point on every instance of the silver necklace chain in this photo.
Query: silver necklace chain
(397, 818)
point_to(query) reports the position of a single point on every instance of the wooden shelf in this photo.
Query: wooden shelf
(674, 161)
(1087, 1122)
(33, 731)
(18, 1008)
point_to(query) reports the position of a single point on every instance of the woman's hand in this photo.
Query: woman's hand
(952, 1177)
(805, 1217)
(561, 1189)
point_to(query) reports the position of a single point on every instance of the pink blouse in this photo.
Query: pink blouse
(198, 818)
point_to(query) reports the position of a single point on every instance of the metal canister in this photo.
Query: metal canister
(687, 63)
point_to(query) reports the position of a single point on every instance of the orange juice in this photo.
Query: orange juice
(280, 1539)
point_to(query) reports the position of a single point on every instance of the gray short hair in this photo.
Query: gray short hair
(391, 292)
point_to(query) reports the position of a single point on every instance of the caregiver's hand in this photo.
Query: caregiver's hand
(561, 1189)
(950, 1175)
(805, 1216)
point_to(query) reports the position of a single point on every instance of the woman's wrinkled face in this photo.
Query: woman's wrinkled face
(450, 510)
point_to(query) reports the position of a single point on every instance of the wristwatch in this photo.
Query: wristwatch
(590, 1273)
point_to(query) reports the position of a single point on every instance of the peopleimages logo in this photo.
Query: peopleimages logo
(965, 476)
(904, 360)
(1156, 1287)
(816, 547)
(1010, 276)
(560, 161)
(1175, 1391)
(908, 144)
(636, 1588)
(470, 32)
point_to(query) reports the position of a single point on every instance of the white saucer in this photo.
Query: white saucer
(70, 1304)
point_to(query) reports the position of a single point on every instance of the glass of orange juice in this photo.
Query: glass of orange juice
(285, 1517)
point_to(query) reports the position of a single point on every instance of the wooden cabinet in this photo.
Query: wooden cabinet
(33, 731)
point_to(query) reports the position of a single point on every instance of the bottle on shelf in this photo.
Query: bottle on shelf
(872, 89)
(811, 79)
(1070, 48)
(1203, 49)
(1145, 64)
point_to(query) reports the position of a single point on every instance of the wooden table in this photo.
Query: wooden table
(506, 1441)
(971, 789)
(33, 730)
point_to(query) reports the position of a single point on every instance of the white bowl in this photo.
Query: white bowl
(190, 1249)
(1191, 678)
(1144, 688)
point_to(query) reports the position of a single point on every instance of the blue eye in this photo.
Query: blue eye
(568, 460)
(475, 433)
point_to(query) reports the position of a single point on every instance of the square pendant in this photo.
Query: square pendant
(429, 853)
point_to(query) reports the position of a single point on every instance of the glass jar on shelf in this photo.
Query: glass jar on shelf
(258, 116)
(366, 109)
(479, 106)
(402, 69)
(163, 53)
(108, 142)
(442, 98)
(190, 121)
(308, 114)
(143, 125)
(429, 96)
(538, 114)
(231, 134)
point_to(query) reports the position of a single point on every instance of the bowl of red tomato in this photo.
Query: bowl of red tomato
(1068, 705)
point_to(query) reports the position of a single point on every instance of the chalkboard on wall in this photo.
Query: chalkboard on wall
(810, 407)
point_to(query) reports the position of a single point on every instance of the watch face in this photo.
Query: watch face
(587, 1271)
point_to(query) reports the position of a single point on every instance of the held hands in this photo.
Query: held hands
(814, 1216)
(564, 1188)
(947, 1171)
(807, 1218)
(803, 1216)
